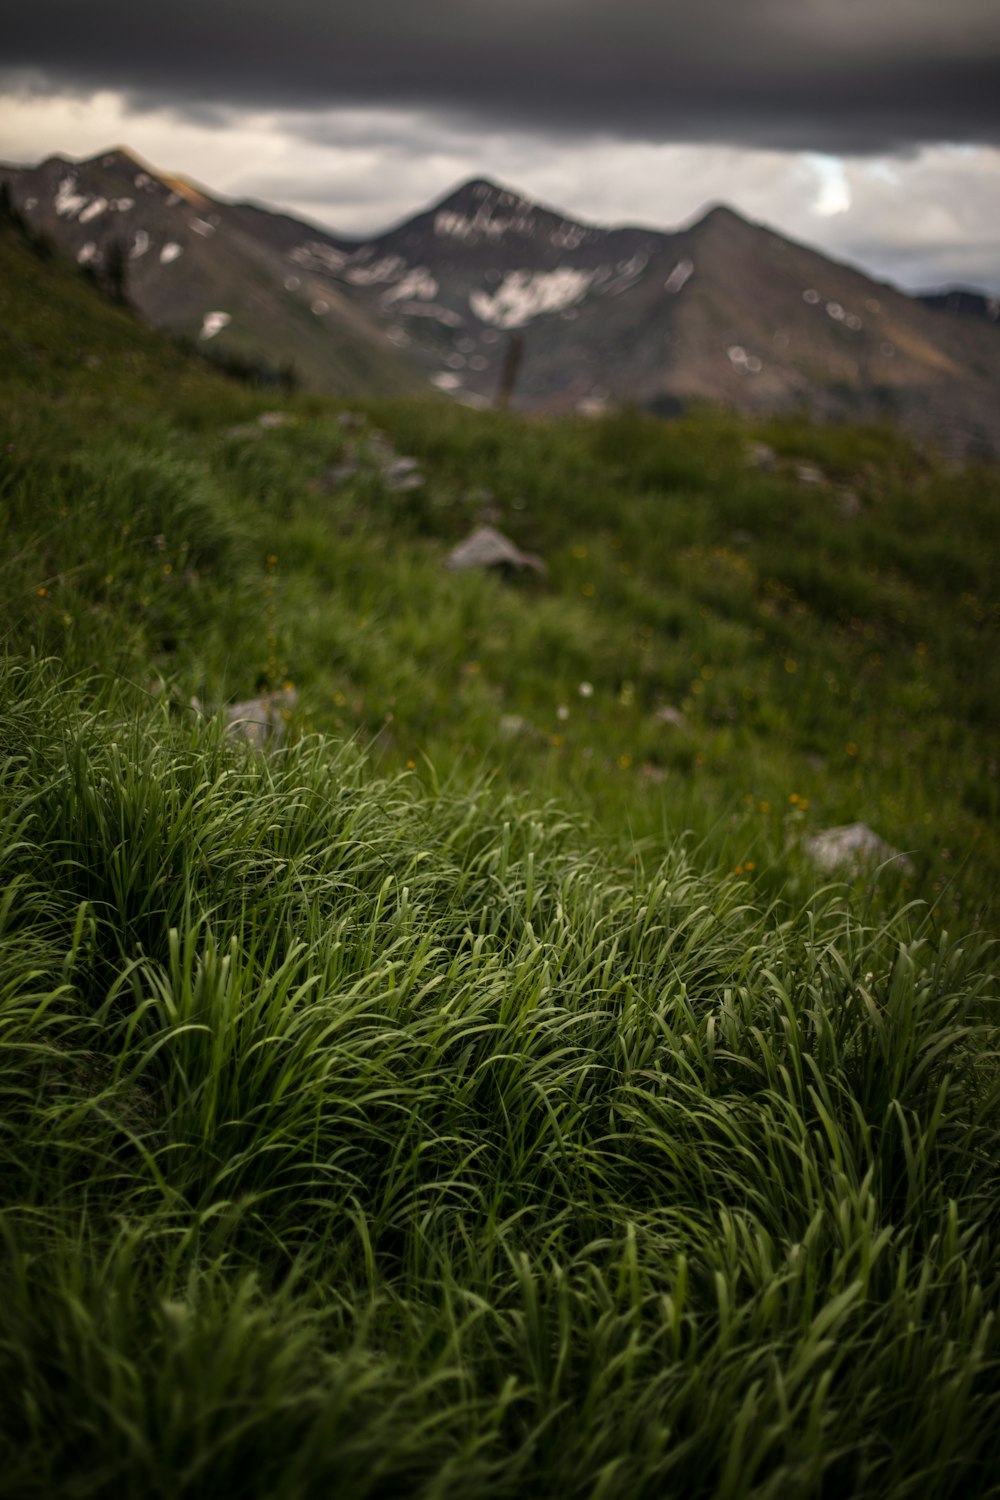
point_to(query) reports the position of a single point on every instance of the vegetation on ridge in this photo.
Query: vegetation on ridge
(464, 1130)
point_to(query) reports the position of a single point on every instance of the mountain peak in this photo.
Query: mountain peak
(720, 214)
(119, 156)
(482, 193)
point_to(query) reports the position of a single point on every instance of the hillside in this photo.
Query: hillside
(725, 312)
(477, 1090)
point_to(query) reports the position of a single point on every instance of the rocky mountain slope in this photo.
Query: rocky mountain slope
(724, 311)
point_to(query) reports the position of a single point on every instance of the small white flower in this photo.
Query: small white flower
(586, 689)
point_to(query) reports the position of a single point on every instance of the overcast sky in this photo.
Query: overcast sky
(870, 128)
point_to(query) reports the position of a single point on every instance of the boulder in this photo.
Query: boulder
(261, 721)
(488, 548)
(852, 849)
(761, 456)
(671, 716)
(809, 474)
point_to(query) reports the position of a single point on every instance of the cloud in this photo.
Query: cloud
(828, 76)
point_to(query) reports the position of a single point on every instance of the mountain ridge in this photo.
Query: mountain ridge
(722, 310)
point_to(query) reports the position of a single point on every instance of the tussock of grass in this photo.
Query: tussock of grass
(531, 1121)
(365, 1139)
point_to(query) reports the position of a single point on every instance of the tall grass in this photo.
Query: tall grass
(364, 1139)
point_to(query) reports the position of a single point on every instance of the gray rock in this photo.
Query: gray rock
(488, 548)
(809, 474)
(854, 848)
(337, 475)
(760, 456)
(261, 721)
(400, 474)
(671, 716)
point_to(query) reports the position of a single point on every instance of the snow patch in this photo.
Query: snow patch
(835, 311)
(87, 254)
(93, 210)
(431, 310)
(679, 276)
(170, 253)
(202, 227)
(140, 244)
(320, 307)
(68, 202)
(213, 323)
(445, 381)
(811, 296)
(315, 256)
(484, 224)
(30, 203)
(524, 295)
(568, 236)
(389, 268)
(417, 283)
(627, 274)
(144, 181)
(121, 205)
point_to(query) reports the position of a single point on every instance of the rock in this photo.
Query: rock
(671, 716)
(337, 475)
(401, 474)
(261, 721)
(488, 548)
(809, 474)
(760, 456)
(854, 847)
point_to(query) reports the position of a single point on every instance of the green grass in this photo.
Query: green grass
(421, 1109)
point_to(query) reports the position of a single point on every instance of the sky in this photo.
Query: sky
(869, 128)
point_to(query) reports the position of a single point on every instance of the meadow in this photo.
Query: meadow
(480, 1092)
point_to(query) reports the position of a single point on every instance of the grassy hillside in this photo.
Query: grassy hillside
(480, 1094)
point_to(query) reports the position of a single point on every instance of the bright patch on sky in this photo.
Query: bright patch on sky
(213, 323)
(834, 195)
(523, 295)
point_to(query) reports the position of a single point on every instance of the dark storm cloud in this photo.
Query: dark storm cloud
(822, 75)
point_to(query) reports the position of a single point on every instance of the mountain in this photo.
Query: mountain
(724, 311)
(215, 272)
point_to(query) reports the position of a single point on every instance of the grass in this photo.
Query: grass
(531, 1120)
